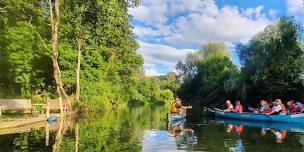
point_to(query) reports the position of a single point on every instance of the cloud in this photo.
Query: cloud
(155, 54)
(296, 8)
(179, 24)
(152, 72)
(200, 21)
(229, 24)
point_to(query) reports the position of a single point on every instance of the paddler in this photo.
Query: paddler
(176, 106)
(238, 107)
(278, 108)
(229, 106)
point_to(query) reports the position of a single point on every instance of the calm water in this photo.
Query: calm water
(145, 129)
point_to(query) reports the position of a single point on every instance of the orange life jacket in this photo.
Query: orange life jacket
(173, 108)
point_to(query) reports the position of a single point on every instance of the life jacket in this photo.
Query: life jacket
(173, 108)
(283, 108)
(299, 106)
(268, 109)
(238, 108)
(293, 108)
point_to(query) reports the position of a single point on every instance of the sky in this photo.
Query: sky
(167, 30)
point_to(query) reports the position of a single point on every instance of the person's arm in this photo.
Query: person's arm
(269, 113)
(275, 109)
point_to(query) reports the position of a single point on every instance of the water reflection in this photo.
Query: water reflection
(184, 136)
(146, 129)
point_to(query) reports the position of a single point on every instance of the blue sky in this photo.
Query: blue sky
(167, 30)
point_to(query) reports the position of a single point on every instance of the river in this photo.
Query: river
(145, 129)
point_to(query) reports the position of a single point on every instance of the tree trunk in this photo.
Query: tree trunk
(78, 71)
(55, 25)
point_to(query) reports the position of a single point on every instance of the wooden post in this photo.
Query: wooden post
(48, 108)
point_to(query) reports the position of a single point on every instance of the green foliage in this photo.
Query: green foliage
(188, 69)
(272, 67)
(272, 63)
(111, 69)
(25, 62)
(206, 74)
(213, 47)
(208, 85)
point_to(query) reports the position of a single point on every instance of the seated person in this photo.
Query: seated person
(299, 107)
(176, 106)
(238, 107)
(229, 106)
(265, 107)
(278, 108)
(291, 107)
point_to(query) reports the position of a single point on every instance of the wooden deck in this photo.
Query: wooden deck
(18, 125)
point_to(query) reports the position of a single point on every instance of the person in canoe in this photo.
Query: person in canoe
(265, 107)
(278, 108)
(176, 106)
(299, 107)
(238, 106)
(229, 106)
(291, 107)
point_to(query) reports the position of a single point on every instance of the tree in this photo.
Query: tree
(55, 20)
(207, 74)
(213, 47)
(24, 56)
(272, 62)
(213, 73)
(188, 69)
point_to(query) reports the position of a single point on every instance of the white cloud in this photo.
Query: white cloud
(162, 54)
(201, 21)
(228, 25)
(296, 8)
(152, 72)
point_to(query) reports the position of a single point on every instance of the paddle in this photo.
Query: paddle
(216, 109)
(252, 109)
(208, 109)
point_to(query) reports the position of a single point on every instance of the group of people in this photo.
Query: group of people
(274, 108)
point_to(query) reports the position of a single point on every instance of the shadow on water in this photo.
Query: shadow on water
(146, 129)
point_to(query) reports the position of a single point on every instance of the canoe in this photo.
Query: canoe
(290, 118)
(291, 127)
(176, 116)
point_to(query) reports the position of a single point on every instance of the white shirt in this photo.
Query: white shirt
(277, 108)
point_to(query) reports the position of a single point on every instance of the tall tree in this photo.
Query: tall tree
(188, 69)
(55, 20)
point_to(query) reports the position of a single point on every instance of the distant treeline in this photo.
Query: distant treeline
(78, 48)
(270, 66)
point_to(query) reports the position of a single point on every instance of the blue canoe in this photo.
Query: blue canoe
(290, 118)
